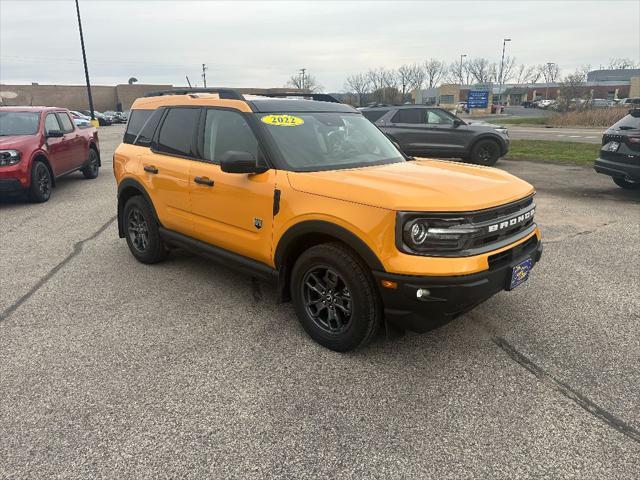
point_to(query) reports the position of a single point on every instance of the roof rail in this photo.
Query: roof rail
(226, 93)
(319, 97)
(232, 94)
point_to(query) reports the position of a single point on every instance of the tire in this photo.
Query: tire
(92, 167)
(485, 152)
(141, 232)
(41, 182)
(626, 184)
(335, 297)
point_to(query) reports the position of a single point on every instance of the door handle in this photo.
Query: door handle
(150, 169)
(204, 181)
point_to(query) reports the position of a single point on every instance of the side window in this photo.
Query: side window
(51, 123)
(137, 119)
(67, 126)
(409, 115)
(373, 115)
(177, 131)
(226, 130)
(145, 134)
(438, 118)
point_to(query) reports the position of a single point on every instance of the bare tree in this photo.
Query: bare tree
(434, 71)
(306, 82)
(409, 77)
(481, 69)
(572, 88)
(622, 64)
(507, 70)
(526, 74)
(359, 84)
(383, 82)
(550, 72)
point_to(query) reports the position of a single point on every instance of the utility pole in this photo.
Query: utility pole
(548, 77)
(86, 69)
(187, 77)
(461, 57)
(302, 71)
(504, 44)
(204, 74)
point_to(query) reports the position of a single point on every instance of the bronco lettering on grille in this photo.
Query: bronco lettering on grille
(512, 221)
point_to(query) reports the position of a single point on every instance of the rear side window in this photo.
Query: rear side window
(67, 126)
(177, 131)
(409, 115)
(137, 119)
(373, 115)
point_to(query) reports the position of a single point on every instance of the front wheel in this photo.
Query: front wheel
(626, 184)
(485, 152)
(41, 182)
(141, 232)
(92, 167)
(335, 297)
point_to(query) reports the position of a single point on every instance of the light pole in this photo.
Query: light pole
(86, 69)
(504, 45)
(461, 57)
(549, 65)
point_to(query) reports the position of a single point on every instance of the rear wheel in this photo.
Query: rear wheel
(41, 182)
(335, 297)
(92, 167)
(485, 152)
(141, 232)
(626, 184)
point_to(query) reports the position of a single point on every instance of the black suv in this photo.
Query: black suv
(434, 132)
(620, 152)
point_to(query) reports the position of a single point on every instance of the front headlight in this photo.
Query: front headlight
(432, 235)
(9, 157)
(502, 130)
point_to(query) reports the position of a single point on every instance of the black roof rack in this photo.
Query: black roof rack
(226, 93)
(231, 94)
(320, 97)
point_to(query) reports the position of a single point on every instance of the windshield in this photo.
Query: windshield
(329, 141)
(18, 123)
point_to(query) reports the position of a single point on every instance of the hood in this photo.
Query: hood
(485, 125)
(420, 185)
(16, 141)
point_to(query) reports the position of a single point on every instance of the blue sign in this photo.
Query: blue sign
(478, 99)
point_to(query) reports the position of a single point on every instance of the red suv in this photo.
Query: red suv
(40, 144)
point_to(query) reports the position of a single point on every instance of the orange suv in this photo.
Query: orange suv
(309, 194)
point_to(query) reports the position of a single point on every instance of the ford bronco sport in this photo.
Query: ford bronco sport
(311, 195)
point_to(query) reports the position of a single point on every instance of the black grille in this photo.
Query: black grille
(612, 138)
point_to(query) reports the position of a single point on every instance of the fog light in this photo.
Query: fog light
(422, 293)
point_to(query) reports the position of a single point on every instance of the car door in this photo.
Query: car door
(57, 148)
(415, 135)
(231, 211)
(164, 167)
(75, 142)
(448, 137)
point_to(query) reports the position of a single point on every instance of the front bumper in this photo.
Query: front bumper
(10, 186)
(619, 168)
(450, 296)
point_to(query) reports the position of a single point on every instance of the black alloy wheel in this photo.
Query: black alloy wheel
(327, 299)
(41, 182)
(138, 229)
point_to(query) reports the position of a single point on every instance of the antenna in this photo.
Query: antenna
(187, 77)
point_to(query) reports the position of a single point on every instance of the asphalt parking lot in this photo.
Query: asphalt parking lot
(114, 369)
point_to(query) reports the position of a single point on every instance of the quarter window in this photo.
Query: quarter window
(177, 131)
(226, 130)
(67, 126)
(51, 123)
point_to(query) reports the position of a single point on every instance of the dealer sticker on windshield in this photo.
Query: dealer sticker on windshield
(282, 120)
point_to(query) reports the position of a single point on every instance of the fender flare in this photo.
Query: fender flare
(327, 228)
(130, 183)
(41, 153)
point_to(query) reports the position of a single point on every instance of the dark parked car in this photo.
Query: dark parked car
(620, 152)
(434, 132)
(103, 120)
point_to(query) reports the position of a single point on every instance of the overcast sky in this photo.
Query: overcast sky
(261, 44)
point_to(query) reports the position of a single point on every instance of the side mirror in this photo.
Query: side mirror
(234, 161)
(55, 134)
(457, 122)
